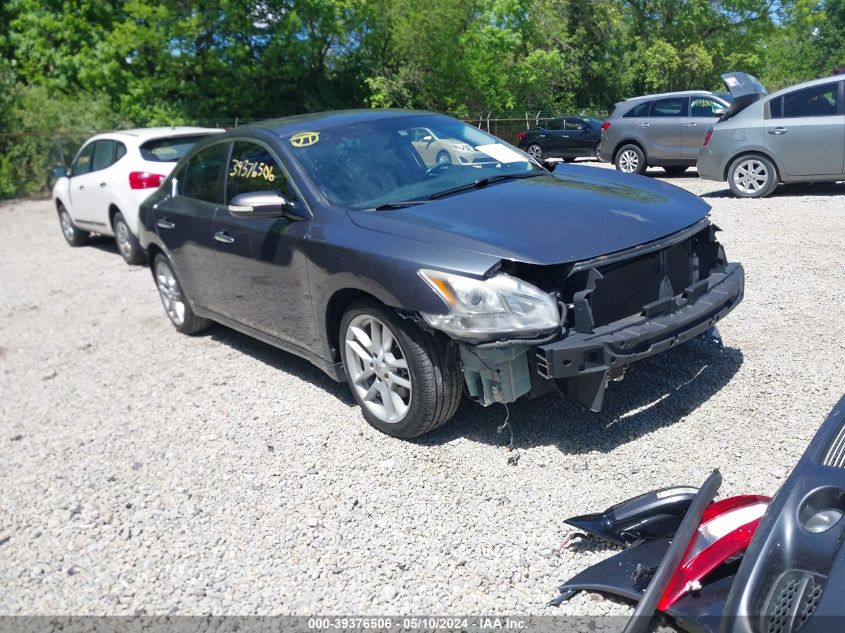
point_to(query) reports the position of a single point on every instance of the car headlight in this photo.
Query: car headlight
(489, 308)
(463, 147)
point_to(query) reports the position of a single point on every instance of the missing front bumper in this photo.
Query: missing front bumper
(582, 363)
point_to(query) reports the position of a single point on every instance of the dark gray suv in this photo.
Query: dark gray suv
(664, 130)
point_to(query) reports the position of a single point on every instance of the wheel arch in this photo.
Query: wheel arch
(113, 211)
(336, 307)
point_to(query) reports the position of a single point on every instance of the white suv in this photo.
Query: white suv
(110, 177)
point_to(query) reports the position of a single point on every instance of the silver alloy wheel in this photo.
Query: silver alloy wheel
(629, 161)
(377, 368)
(535, 152)
(121, 234)
(171, 294)
(750, 176)
(443, 158)
(67, 225)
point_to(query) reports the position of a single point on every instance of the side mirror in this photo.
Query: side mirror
(428, 138)
(264, 204)
(59, 171)
(719, 111)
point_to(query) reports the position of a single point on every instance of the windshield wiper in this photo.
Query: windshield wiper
(483, 182)
(390, 206)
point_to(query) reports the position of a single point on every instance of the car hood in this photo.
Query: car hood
(577, 213)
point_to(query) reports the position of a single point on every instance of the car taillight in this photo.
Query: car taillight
(726, 529)
(605, 126)
(145, 180)
(707, 137)
(520, 137)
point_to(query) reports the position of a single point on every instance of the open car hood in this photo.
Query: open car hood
(745, 90)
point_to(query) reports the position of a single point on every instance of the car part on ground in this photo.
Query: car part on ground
(344, 208)
(754, 564)
(794, 135)
(111, 175)
(664, 130)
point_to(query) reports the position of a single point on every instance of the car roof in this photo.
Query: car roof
(318, 121)
(808, 84)
(147, 133)
(680, 93)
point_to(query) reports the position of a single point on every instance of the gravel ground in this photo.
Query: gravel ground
(145, 471)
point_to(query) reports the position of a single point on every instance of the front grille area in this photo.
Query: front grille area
(792, 601)
(623, 288)
(835, 455)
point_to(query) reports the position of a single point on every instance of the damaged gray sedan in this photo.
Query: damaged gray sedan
(333, 237)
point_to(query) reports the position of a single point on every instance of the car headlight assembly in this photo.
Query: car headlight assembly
(485, 309)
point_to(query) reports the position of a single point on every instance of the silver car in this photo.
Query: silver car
(665, 130)
(794, 135)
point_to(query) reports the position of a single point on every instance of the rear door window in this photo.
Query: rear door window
(200, 178)
(554, 124)
(702, 106)
(672, 107)
(640, 110)
(103, 155)
(815, 101)
(253, 168)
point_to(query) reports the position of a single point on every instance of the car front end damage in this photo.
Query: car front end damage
(612, 311)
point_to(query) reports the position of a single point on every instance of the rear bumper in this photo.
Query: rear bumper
(708, 167)
(629, 340)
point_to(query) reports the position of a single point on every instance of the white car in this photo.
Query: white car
(110, 177)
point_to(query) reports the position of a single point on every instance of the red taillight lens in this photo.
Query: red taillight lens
(726, 529)
(145, 180)
(707, 137)
(605, 126)
(520, 137)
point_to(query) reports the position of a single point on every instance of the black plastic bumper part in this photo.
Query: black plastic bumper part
(660, 326)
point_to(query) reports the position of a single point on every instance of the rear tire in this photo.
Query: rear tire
(536, 152)
(630, 159)
(73, 235)
(405, 380)
(752, 176)
(675, 170)
(127, 244)
(176, 304)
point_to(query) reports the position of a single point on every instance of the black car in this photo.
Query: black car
(329, 236)
(567, 138)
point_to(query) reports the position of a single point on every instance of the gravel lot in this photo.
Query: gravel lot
(145, 471)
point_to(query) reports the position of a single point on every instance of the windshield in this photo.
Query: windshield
(393, 160)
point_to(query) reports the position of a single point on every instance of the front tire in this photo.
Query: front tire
(73, 236)
(443, 157)
(176, 304)
(630, 159)
(127, 244)
(752, 176)
(404, 379)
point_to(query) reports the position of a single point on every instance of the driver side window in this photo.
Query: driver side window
(253, 168)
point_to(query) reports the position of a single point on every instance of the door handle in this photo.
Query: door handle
(690, 124)
(81, 187)
(778, 131)
(541, 135)
(102, 185)
(164, 223)
(643, 124)
(223, 236)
